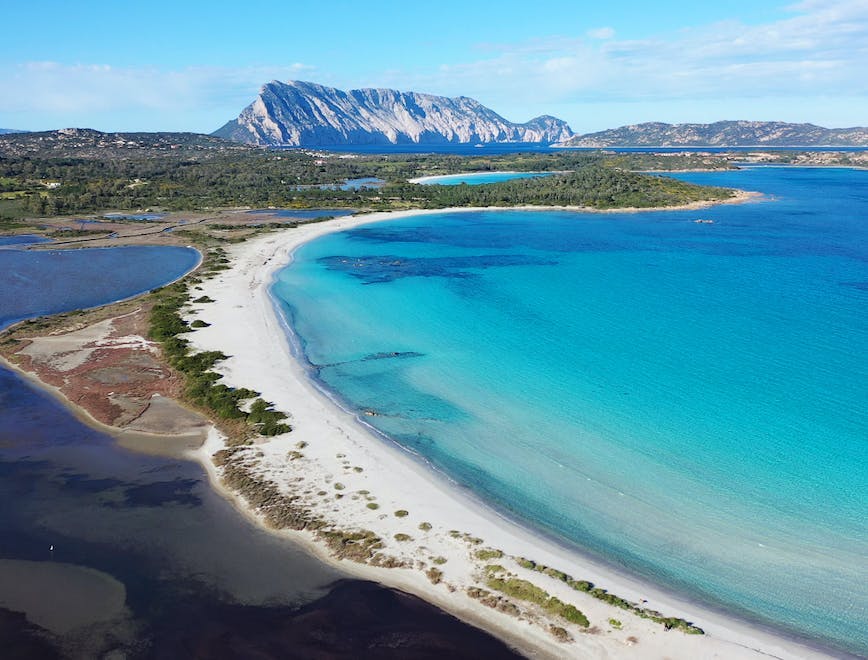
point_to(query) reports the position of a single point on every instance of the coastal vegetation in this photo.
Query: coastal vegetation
(527, 591)
(603, 595)
(43, 185)
(202, 386)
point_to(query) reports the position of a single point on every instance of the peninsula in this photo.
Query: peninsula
(297, 463)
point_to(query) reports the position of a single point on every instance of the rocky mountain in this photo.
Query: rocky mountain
(88, 143)
(299, 113)
(721, 134)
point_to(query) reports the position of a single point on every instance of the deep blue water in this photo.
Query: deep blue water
(52, 281)
(685, 401)
(479, 178)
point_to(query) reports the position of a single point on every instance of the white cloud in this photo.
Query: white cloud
(601, 33)
(63, 93)
(819, 49)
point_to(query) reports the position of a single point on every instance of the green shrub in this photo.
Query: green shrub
(486, 555)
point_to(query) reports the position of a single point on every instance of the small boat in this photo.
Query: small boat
(703, 221)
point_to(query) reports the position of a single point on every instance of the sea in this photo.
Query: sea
(680, 394)
(110, 553)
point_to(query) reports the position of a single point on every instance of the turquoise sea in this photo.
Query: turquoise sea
(686, 401)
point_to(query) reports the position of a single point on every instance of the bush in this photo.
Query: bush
(486, 555)
(435, 575)
(202, 386)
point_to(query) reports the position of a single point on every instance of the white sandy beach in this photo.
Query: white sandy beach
(343, 457)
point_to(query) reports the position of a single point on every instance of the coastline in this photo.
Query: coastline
(161, 444)
(341, 451)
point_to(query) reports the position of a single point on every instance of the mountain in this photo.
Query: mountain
(721, 134)
(299, 113)
(88, 143)
(10, 131)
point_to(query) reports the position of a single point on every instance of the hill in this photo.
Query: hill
(91, 144)
(721, 134)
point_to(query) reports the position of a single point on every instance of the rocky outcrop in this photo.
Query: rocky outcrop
(721, 134)
(306, 114)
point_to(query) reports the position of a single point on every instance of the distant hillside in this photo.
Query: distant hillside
(299, 113)
(88, 143)
(722, 134)
(8, 131)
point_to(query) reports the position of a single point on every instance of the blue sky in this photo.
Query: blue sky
(189, 65)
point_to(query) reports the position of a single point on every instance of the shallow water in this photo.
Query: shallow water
(304, 214)
(177, 571)
(23, 239)
(480, 178)
(682, 399)
(52, 281)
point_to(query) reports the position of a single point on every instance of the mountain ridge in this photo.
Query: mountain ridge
(300, 113)
(729, 133)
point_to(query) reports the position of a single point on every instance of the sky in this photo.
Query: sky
(187, 65)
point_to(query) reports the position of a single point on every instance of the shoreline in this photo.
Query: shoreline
(160, 444)
(246, 325)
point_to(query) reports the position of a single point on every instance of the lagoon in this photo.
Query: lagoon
(38, 282)
(479, 178)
